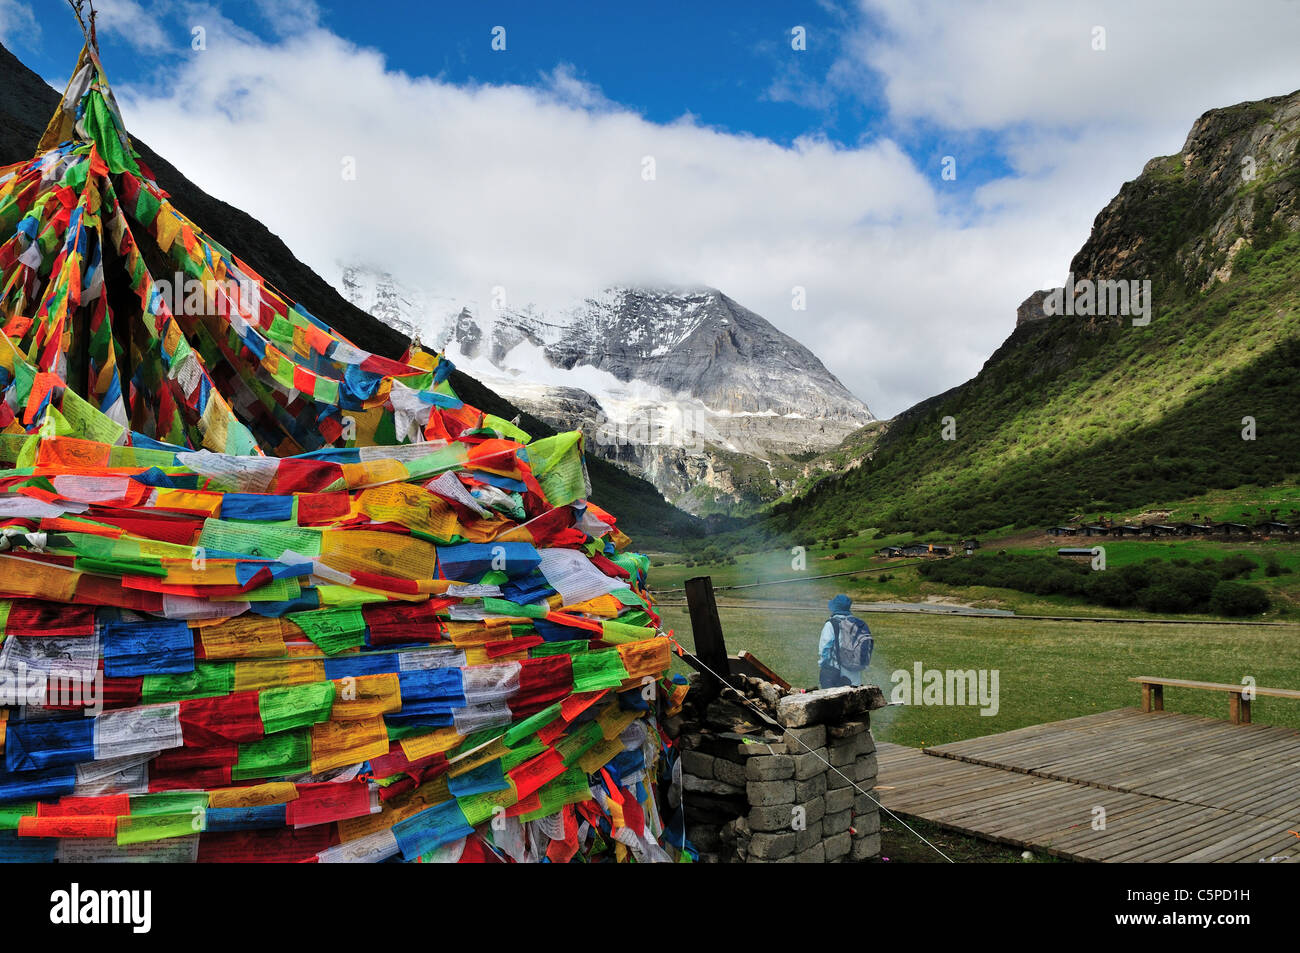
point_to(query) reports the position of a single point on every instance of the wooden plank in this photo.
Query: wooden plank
(1176, 844)
(764, 671)
(1241, 840)
(1146, 681)
(1132, 838)
(706, 629)
(1175, 787)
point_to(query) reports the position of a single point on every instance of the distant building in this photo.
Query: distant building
(1062, 530)
(1075, 553)
(1159, 529)
(1192, 529)
(1231, 529)
(1126, 529)
(890, 552)
(1274, 528)
(1096, 529)
(926, 549)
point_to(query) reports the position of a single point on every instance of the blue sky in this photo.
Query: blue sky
(716, 63)
(776, 169)
(729, 65)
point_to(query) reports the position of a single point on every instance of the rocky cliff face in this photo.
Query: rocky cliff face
(1184, 220)
(675, 385)
(1235, 180)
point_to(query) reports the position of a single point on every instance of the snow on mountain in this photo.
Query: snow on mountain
(667, 382)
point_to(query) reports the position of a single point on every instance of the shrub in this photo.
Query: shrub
(1275, 568)
(1164, 597)
(1234, 566)
(1236, 598)
(1110, 589)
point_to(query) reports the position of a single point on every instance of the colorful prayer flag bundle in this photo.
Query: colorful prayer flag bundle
(266, 596)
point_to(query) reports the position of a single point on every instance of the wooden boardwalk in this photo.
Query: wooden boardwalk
(1173, 788)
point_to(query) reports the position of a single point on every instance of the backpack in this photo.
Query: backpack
(853, 643)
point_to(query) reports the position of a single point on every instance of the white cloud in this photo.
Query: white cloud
(568, 88)
(967, 65)
(540, 190)
(289, 16)
(17, 23)
(128, 21)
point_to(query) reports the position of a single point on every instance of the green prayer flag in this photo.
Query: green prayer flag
(168, 802)
(207, 679)
(619, 632)
(571, 647)
(578, 741)
(531, 725)
(599, 669)
(295, 706)
(558, 466)
(275, 756)
(505, 607)
(135, 829)
(335, 630)
(9, 814)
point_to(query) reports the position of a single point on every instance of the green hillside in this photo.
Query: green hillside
(1085, 415)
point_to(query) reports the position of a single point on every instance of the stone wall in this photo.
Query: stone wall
(784, 790)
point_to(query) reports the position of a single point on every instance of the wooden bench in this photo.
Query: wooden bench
(1153, 694)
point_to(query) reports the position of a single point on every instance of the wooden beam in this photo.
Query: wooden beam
(763, 670)
(706, 629)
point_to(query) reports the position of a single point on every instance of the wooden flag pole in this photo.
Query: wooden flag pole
(706, 627)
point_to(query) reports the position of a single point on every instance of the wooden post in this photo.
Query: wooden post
(1146, 697)
(706, 627)
(1238, 709)
(1158, 697)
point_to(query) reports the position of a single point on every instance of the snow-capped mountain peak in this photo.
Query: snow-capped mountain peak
(654, 375)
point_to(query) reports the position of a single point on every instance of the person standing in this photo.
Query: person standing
(845, 647)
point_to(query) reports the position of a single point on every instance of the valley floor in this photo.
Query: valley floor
(1047, 671)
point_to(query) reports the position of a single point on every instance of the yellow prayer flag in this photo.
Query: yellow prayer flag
(385, 554)
(599, 755)
(26, 577)
(365, 695)
(421, 746)
(277, 674)
(200, 501)
(256, 795)
(335, 744)
(647, 657)
(244, 637)
(168, 225)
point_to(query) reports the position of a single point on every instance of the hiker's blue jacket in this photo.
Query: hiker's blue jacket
(829, 655)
